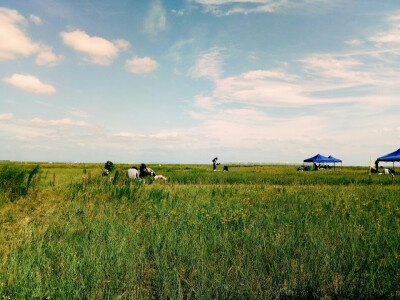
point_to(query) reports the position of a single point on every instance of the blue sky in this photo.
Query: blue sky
(184, 81)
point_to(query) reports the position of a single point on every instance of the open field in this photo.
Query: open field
(252, 232)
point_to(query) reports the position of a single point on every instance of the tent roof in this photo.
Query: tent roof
(394, 156)
(334, 159)
(319, 159)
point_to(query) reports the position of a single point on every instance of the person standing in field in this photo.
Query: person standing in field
(214, 161)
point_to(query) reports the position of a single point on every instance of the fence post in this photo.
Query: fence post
(54, 179)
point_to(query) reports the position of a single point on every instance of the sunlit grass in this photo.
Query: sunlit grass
(252, 232)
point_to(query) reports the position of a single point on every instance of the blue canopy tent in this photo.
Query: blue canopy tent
(319, 159)
(335, 160)
(394, 156)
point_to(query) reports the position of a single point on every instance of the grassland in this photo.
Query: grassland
(252, 232)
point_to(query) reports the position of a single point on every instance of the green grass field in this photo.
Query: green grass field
(252, 232)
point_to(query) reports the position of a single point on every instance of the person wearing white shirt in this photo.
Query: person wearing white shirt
(132, 173)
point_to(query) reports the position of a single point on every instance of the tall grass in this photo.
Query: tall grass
(205, 238)
(15, 181)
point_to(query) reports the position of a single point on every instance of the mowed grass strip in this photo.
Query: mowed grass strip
(208, 238)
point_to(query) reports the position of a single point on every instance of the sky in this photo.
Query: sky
(184, 81)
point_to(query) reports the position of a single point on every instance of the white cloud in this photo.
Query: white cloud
(353, 42)
(7, 116)
(48, 135)
(369, 67)
(332, 66)
(79, 113)
(291, 137)
(35, 19)
(179, 12)
(230, 7)
(156, 20)
(244, 128)
(207, 66)
(390, 36)
(278, 87)
(99, 50)
(263, 88)
(203, 102)
(14, 41)
(177, 50)
(267, 8)
(46, 57)
(29, 83)
(61, 123)
(252, 56)
(128, 135)
(139, 65)
(238, 129)
(122, 44)
(326, 81)
(221, 2)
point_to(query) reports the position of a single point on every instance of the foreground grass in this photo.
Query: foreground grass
(253, 232)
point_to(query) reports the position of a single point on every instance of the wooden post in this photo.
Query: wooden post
(54, 179)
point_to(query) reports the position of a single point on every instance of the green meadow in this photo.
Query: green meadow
(255, 232)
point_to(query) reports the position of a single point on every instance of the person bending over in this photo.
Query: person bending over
(133, 173)
(145, 171)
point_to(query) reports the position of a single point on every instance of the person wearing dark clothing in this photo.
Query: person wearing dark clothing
(214, 161)
(144, 171)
